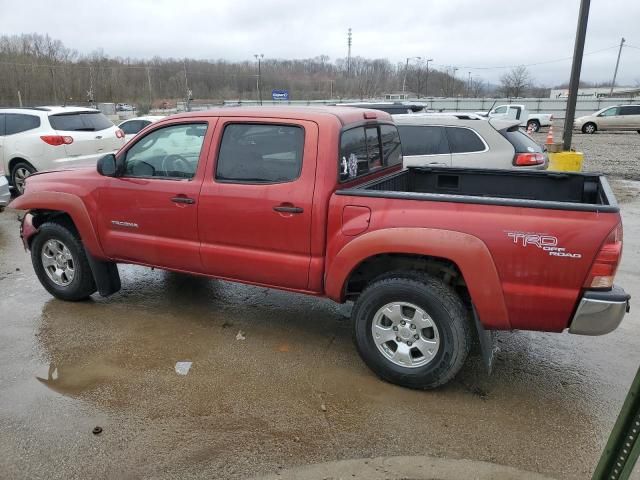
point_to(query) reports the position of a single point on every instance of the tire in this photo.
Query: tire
(450, 333)
(589, 128)
(534, 125)
(19, 172)
(77, 283)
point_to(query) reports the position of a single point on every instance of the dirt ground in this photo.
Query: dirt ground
(293, 392)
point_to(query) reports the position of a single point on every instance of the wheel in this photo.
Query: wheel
(534, 125)
(412, 329)
(60, 263)
(19, 172)
(638, 131)
(589, 128)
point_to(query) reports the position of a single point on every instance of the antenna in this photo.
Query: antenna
(349, 53)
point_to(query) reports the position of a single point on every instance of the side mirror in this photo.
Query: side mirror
(107, 165)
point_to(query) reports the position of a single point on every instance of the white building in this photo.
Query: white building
(625, 92)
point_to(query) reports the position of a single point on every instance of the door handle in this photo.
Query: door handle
(288, 209)
(183, 199)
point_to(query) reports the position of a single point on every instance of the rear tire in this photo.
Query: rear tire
(425, 320)
(589, 128)
(61, 264)
(19, 173)
(534, 125)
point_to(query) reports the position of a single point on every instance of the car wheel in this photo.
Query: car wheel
(60, 263)
(19, 173)
(533, 125)
(412, 329)
(589, 128)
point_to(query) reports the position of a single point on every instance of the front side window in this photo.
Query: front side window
(464, 140)
(502, 109)
(19, 122)
(609, 112)
(80, 122)
(423, 140)
(366, 149)
(170, 152)
(260, 153)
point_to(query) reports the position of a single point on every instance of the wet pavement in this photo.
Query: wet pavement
(274, 382)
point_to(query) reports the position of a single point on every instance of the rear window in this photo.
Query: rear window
(521, 141)
(80, 122)
(464, 140)
(366, 149)
(19, 122)
(423, 140)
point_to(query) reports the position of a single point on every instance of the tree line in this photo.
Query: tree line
(38, 70)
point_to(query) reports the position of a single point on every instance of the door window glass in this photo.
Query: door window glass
(362, 148)
(2, 117)
(423, 140)
(260, 153)
(170, 152)
(502, 109)
(630, 110)
(391, 146)
(464, 140)
(18, 122)
(132, 127)
(609, 112)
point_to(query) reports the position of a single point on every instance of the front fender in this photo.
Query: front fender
(469, 253)
(69, 204)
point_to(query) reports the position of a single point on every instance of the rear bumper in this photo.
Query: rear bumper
(600, 312)
(5, 192)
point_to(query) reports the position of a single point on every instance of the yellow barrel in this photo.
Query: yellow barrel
(566, 161)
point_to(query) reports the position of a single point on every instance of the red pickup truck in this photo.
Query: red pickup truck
(315, 201)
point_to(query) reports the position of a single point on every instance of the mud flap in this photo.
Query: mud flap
(487, 340)
(105, 275)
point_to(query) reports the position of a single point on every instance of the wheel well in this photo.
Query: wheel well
(533, 120)
(378, 265)
(13, 161)
(57, 216)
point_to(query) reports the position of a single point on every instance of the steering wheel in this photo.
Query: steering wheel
(175, 163)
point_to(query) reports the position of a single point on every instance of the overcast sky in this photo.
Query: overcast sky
(462, 33)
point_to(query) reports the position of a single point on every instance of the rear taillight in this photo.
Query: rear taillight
(528, 159)
(119, 133)
(57, 140)
(606, 263)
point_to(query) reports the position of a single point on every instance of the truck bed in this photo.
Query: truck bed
(533, 189)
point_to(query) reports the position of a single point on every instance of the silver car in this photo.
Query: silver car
(467, 140)
(619, 117)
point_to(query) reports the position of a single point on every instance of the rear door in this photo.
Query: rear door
(424, 145)
(93, 136)
(256, 204)
(630, 117)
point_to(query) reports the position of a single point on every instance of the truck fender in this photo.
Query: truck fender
(469, 253)
(69, 204)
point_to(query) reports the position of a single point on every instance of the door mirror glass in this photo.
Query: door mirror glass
(107, 165)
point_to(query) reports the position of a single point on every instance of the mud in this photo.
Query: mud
(255, 406)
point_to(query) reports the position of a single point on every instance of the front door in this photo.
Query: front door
(148, 214)
(256, 202)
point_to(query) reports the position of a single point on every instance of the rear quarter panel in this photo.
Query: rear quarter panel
(539, 290)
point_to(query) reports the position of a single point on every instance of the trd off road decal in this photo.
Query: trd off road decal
(545, 242)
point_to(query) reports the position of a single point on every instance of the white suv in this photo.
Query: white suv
(51, 138)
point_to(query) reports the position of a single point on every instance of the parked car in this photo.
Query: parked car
(466, 140)
(389, 107)
(124, 107)
(619, 117)
(48, 138)
(314, 201)
(531, 121)
(133, 126)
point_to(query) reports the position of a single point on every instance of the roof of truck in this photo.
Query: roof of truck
(345, 115)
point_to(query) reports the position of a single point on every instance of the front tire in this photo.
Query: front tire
(534, 125)
(589, 128)
(412, 330)
(19, 173)
(61, 264)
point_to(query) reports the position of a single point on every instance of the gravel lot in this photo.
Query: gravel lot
(616, 154)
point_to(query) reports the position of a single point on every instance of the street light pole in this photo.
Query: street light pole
(259, 57)
(574, 81)
(406, 67)
(426, 80)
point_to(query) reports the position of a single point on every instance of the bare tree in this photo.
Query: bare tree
(516, 82)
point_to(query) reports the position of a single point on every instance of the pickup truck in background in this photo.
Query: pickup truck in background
(314, 201)
(532, 121)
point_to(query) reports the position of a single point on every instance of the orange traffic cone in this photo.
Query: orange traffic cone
(550, 136)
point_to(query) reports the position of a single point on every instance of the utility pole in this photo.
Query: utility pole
(615, 72)
(149, 83)
(469, 85)
(406, 67)
(19, 99)
(574, 81)
(426, 80)
(258, 58)
(186, 85)
(349, 52)
(91, 92)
